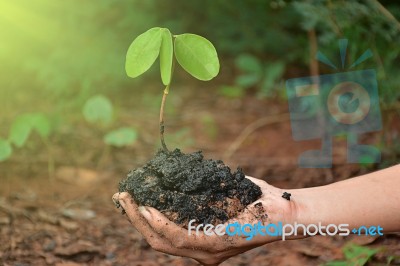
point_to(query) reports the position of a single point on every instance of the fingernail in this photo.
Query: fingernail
(146, 214)
(115, 200)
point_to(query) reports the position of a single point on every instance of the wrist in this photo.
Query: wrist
(281, 211)
(299, 207)
(310, 212)
(285, 206)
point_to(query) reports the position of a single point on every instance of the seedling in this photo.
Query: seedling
(254, 73)
(20, 130)
(355, 255)
(183, 186)
(99, 110)
(194, 53)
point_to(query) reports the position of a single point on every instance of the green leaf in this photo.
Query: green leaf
(337, 263)
(143, 52)
(20, 130)
(24, 124)
(248, 63)
(359, 253)
(5, 150)
(121, 137)
(166, 55)
(41, 124)
(247, 80)
(98, 109)
(273, 73)
(355, 255)
(231, 91)
(197, 56)
(275, 70)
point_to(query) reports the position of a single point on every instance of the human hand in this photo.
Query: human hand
(166, 236)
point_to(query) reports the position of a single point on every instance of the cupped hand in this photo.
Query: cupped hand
(166, 236)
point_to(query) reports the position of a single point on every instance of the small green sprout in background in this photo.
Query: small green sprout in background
(99, 110)
(121, 137)
(354, 255)
(254, 73)
(194, 53)
(5, 149)
(23, 126)
(21, 129)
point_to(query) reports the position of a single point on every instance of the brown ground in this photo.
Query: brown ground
(70, 219)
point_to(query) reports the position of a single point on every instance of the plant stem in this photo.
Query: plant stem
(312, 39)
(166, 91)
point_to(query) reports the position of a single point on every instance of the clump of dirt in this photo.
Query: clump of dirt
(186, 186)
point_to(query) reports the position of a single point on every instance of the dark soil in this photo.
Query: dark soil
(186, 186)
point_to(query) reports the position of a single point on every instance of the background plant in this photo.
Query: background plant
(266, 78)
(355, 255)
(99, 110)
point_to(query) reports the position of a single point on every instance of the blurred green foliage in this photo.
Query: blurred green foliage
(235, 26)
(267, 78)
(5, 149)
(66, 47)
(98, 110)
(74, 48)
(367, 25)
(20, 130)
(278, 30)
(209, 125)
(57, 54)
(121, 137)
(231, 91)
(354, 255)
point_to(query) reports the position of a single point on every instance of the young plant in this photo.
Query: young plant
(194, 53)
(254, 73)
(99, 110)
(355, 255)
(20, 130)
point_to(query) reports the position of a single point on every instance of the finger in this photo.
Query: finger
(136, 218)
(115, 198)
(137, 214)
(160, 239)
(258, 182)
(194, 239)
(173, 239)
(131, 209)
